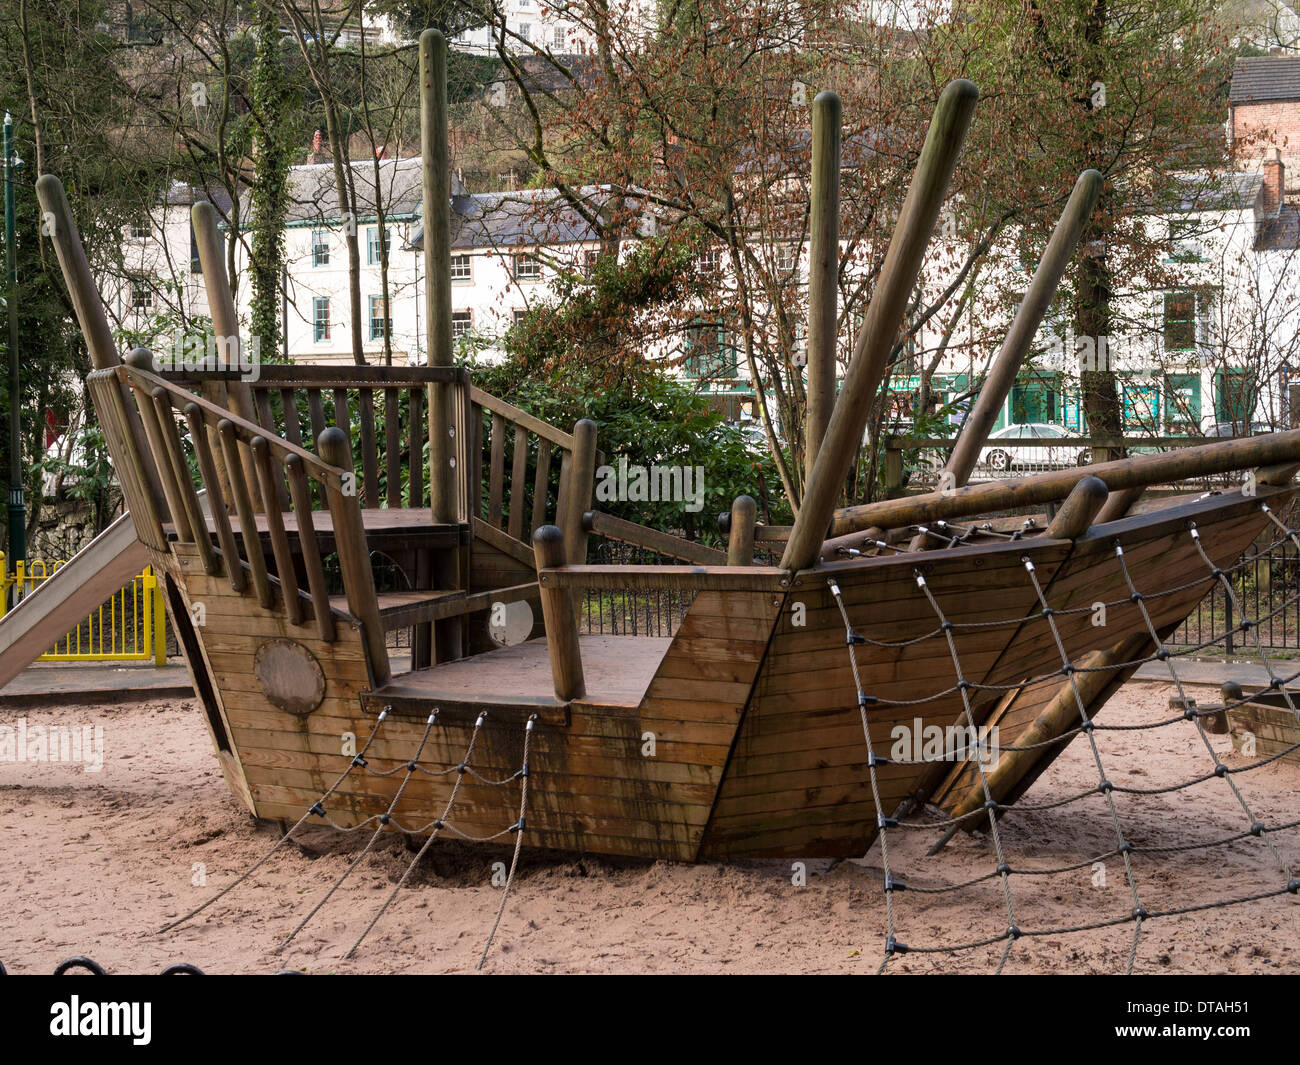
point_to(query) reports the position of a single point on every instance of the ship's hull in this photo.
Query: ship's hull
(740, 736)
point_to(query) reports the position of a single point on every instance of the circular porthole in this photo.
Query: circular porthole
(290, 676)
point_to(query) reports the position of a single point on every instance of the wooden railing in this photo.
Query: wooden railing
(520, 453)
(224, 448)
(384, 405)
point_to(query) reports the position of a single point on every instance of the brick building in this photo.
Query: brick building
(1264, 112)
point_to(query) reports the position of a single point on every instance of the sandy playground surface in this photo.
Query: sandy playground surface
(95, 863)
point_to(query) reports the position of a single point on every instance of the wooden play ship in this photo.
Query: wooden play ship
(741, 735)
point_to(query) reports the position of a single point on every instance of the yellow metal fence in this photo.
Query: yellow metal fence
(129, 627)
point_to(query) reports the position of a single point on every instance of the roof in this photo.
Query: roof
(1281, 233)
(1228, 192)
(527, 217)
(314, 197)
(1265, 77)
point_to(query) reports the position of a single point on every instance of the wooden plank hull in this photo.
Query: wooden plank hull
(741, 736)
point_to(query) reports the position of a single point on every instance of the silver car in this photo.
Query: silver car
(1036, 445)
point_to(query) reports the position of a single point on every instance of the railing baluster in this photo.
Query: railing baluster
(369, 458)
(153, 434)
(267, 478)
(300, 490)
(496, 475)
(216, 503)
(416, 431)
(541, 484)
(519, 483)
(184, 483)
(266, 418)
(354, 557)
(393, 445)
(244, 508)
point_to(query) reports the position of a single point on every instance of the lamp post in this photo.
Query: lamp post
(17, 509)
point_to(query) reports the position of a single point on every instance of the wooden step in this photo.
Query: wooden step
(401, 610)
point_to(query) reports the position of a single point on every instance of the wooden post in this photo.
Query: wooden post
(189, 497)
(1079, 509)
(280, 547)
(560, 617)
(884, 317)
(740, 538)
(893, 468)
(1024, 327)
(354, 554)
(216, 501)
(582, 484)
(142, 359)
(300, 491)
(436, 185)
(823, 272)
(236, 396)
(1119, 504)
(89, 310)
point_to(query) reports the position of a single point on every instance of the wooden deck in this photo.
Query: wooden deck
(618, 671)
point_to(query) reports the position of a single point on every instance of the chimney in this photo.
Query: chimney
(1274, 183)
(318, 152)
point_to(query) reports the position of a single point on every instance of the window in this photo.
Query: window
(710, 260)
(787, 255)
(1185, 241)
(320, 319)
(460, 268)
(709, 355)
(587, 261)
(140, 230)
(527, 268)
(141, 297)
(1141, 403)
(196, 264)
(380, 323)
(372, 244)
(1182, 402)
(320, 248)
(525, 29)
(1186, 320)
(1234, 399)
(461, 323)
(558, 37)
(520, 316)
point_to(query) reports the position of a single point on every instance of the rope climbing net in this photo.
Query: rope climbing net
(378, 824)
(991, 813)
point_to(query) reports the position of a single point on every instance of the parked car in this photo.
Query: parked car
(1052, 449)
(1238, 429)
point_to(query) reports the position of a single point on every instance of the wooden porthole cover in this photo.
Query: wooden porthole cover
(290, 676)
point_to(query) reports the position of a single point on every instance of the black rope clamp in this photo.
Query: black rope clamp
(384, 819)
(1105, 787)
(865, 700)
(1013, 932)
(518, 826)
(1162, 655)
(852, 638)
(317, 809)
(1140, 914)
(874, 760)
(1048, 612)
(894, 885)
(883, 822)
(990, 804)
(1004, 869)
(1136, 597)
(1257, 828)
(1124, 848)
(359, 761)
(893, 946)
(1293, 886)
(462, 768)
(1220, 770)
(411, 765)
(1191, 714)
(439, 824)
(947, 626)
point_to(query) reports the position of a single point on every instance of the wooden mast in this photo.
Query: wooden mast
(870, 359)
(823, 273)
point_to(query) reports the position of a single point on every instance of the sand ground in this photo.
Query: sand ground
(95, 863)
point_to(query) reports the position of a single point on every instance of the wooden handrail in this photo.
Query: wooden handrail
(513, 414)
(629, 532)
(655, 578)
